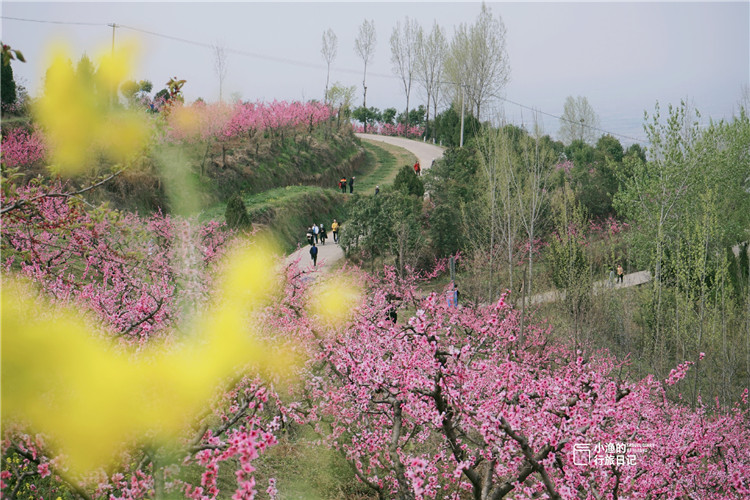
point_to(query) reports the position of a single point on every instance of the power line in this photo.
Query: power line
(52, 22)
(247, 53)
(579, 124)
(309, 65)
(537, 110)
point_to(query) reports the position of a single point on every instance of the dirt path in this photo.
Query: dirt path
(328, 255)
(629, 280)
(424, 151)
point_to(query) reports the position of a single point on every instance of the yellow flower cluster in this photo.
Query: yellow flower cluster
(64, 380)
(80, 118)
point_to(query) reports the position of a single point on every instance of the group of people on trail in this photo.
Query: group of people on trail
(317, 234)
(343, 182)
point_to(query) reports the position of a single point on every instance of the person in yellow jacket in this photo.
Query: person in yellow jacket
(335, 231)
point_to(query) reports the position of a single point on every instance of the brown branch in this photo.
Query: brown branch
(151, 315)
(78, 490)
(20, 203)
(532, 459)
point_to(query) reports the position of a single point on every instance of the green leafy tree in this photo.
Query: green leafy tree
(236, 214)
(594, 175)
(341, 98)
(388, 225)
(654, 196)
(609, 148)
(128, 89)
(416, 117)
(366, 116)
(635, 151)
(389, 115)
(448, 127)
(451, 183)
(571, 269)
(132, 90)
(8, 83)
(445, 229)
(408, 182)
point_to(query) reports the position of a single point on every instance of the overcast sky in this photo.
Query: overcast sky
(623, 57)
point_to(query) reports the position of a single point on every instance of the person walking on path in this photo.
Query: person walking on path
(323, 235)
(309, 236)
(351, 184)
(377, 189)
(417, 169)
(314, 254)
(620, 273)
(342, 184)
(316, 233)
(335, 230)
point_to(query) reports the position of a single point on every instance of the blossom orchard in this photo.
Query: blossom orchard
(139, 277)
(450, 404)
(135, 273)
(202, 121)
(447, 404)
(199, 121)
(400, 129)
(21, 148)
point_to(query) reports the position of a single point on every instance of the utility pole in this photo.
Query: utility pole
(114, 90)
(461, 141)
(113, 37)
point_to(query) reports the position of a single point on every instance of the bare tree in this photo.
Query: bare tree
(530, 186)
(431, 51)
(404, 55)
(499, 162)
(578, 121)
(477, 62)
(364, 46)
(329, 50)
(220, 65)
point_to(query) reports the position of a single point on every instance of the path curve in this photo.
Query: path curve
(425, 152)
(331, 253)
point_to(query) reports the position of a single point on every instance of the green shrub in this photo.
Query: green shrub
(407, 181)
(236, 214)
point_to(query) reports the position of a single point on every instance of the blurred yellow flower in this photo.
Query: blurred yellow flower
(61, 378)
(334, 300)
(81, 120)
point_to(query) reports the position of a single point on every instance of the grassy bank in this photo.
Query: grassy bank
(381, 165)
(288, 211)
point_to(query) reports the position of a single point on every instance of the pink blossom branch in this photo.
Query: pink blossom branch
(19, 203)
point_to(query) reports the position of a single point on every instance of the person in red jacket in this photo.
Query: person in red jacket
(417, 169)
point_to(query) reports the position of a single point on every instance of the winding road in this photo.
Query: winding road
(425, 152)
(330, 253)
